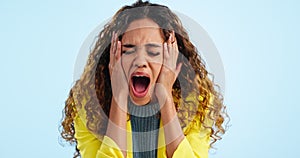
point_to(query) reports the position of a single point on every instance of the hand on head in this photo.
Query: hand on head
(119, 82)
(170, 69)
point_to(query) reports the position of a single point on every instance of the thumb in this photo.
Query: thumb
(178, 68)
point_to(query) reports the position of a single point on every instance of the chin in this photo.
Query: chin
(140, 101)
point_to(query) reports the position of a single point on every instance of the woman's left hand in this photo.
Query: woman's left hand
(163, 91)
(169, 70)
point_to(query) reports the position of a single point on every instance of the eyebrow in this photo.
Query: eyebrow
(153, 45)
(147, 45)
(128, 45)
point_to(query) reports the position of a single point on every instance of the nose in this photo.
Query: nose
(140, 60)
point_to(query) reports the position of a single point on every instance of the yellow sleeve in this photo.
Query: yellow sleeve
(195, 144)
(90, 146)
(109, 149)
(87, 143)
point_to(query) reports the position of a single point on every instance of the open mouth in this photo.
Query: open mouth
(140, 85)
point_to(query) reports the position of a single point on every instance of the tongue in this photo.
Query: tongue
(140, 85)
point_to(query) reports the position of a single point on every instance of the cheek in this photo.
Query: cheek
(126, 62)
(158, 60)
(156, 67)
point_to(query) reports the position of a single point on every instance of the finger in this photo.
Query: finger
(173, 52)
(172, 35)
(169, 46)
(170, 43)
(114, 43)
(166, 51)
(116, 40)
(176, 52)
(170, 38)
(178, 68)
(118, 51)
(170, 54)
(111, 41)
(111, 53)
(175, 42)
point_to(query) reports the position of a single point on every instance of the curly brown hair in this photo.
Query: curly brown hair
(92, 92)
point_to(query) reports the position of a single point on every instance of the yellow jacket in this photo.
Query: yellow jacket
(194, 145)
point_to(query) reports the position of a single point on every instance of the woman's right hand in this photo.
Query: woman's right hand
(119, 83)
(116, 128)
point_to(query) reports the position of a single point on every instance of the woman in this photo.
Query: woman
(144, 92)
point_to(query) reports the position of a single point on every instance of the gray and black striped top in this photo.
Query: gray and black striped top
(145, 126)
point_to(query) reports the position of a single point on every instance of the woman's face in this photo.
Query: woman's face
(142, 56)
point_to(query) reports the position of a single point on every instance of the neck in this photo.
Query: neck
(149, 109)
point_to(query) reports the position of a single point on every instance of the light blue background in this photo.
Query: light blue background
(257, 40)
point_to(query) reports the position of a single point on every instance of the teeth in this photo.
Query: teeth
(139, 76)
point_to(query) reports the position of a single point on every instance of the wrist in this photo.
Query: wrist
(120, 98)
(162, 93)
(119, 105)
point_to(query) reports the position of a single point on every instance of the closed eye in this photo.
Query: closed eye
(127, 52)
(153, 53)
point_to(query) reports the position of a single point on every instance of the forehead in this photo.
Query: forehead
(142, 23)
(142, 31)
